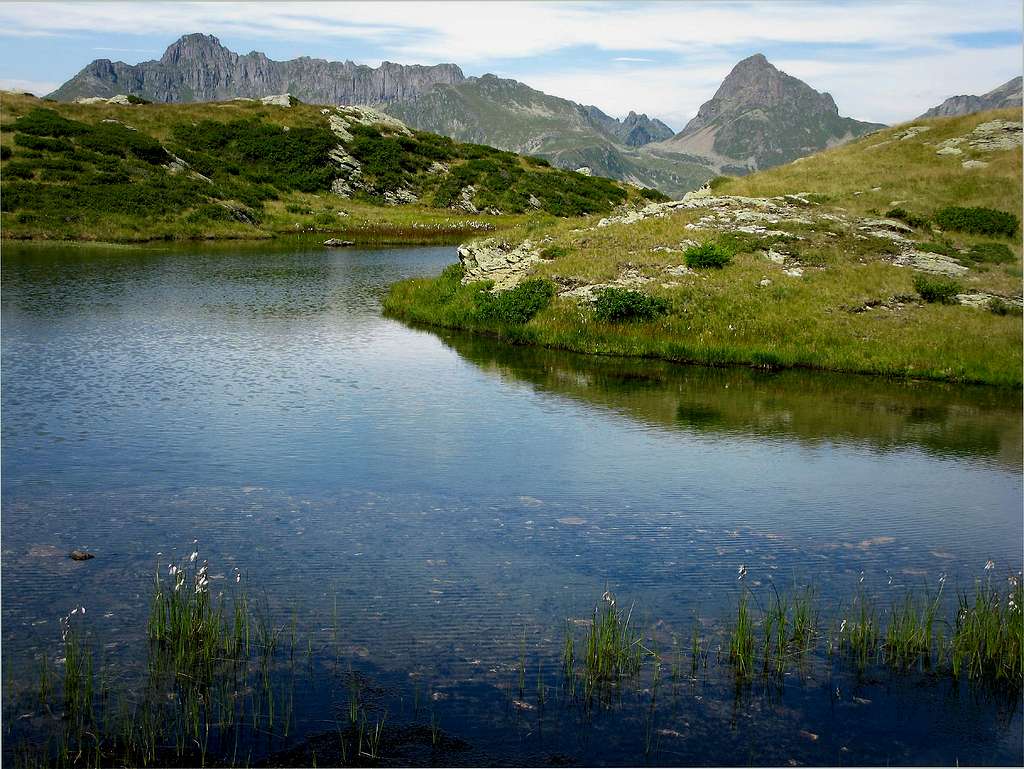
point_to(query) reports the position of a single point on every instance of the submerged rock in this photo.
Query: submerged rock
(80, 555)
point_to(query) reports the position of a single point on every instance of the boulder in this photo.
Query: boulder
(336, 243)
(278, 100)
(497, 261)
(80, 555)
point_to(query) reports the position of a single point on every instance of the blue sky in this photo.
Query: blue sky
(884, 61)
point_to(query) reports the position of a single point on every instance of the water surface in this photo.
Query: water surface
(448, 493)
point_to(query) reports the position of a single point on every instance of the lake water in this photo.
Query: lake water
(448, 502)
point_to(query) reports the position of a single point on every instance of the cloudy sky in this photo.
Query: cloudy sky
(882, 60)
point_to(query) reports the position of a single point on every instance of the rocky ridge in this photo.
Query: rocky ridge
(197, 67)
(1009, 94)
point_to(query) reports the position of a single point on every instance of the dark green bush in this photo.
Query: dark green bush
(937, 288)
(209, 212)
(19, 169)
(995, 253)
(914, 220)
(133, 99)
(533, 160)
(999, 306)
(717, 182)
(517, 305)
(116, 140)
(615, 305)
(46, 122)
(708, 255)
(43, 143)
(261, 153)
(649, 193)
(5, 152)
(979, 221)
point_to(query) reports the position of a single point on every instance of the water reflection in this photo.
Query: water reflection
(809, 407)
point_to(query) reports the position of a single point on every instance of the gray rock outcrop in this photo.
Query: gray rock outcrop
(1005, 96)
(198, 68)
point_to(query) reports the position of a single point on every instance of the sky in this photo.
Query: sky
(881, 61)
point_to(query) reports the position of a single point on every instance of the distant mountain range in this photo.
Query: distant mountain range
(1006, 95)
(759, 117)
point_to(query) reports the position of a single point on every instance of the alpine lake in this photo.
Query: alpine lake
(323, 537)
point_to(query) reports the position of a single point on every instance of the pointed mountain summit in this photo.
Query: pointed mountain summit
(762, 117)
(197, 67)
(1007, 95)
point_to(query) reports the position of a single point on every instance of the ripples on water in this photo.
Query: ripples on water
(449, 492)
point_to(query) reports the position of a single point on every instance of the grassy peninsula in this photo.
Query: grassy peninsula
(898, 254)
(131, 171)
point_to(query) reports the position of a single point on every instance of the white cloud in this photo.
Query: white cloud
(37, 87)
(901, 63)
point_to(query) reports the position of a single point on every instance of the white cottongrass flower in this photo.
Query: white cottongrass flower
(238, 578)
(861, 580)
(741, 572)
(842, 627)
(192, 558)
(942, 580)
(990, 564)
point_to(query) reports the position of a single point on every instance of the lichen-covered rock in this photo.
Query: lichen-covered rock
(400, 197)
(498, 261)
(278, 100)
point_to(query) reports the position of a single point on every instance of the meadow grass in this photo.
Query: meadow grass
(752, 313)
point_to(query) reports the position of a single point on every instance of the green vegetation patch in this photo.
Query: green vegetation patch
(977, 221)
(995, 253)
(517, 305)
(47, 122)
(616, 305)
(914, 220)
(260, 153)
(937, 288)
(708, 255)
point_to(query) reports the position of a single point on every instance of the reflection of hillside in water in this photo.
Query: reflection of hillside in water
(810, 407)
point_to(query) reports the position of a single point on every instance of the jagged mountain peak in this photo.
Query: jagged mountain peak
(760, 116)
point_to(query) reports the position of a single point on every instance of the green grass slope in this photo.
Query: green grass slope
(242, 169)
(814, 285)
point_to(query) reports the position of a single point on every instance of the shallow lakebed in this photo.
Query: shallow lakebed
(430, 514)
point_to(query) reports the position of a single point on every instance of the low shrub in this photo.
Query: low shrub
(978, 221)
(209, 212)
(994, 253)
(717, 182)
(937, 288)
(46, 122)
(43, 143)
(553, 252)
(649, 193)
(999, 306)
(914, 220)
(937, 248)
(325, 219)
(19, 169)
(533, 160)
(517, 305)
(708, 255)
(615, 305)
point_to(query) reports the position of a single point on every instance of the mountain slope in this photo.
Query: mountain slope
(761, 117)
(117, 171)
(1005, 96)
(198, 68)
(513, 116)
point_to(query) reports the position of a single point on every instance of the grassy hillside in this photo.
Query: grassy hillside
(844, 274)
(242, 169)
